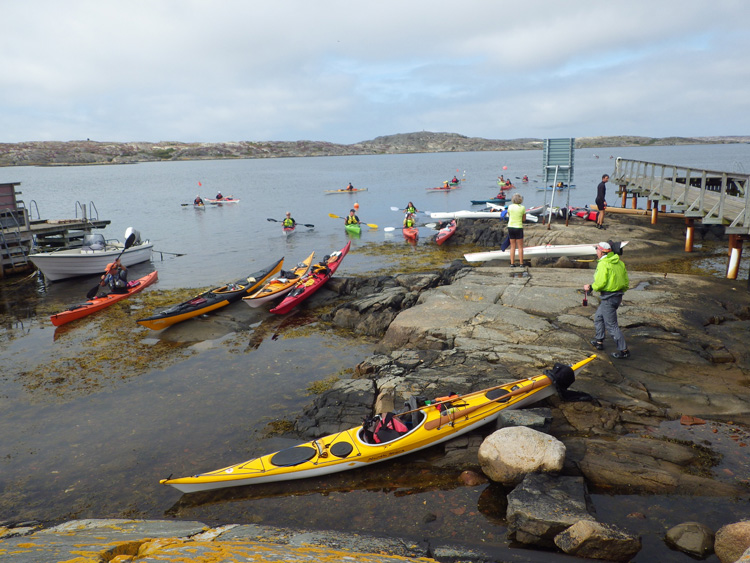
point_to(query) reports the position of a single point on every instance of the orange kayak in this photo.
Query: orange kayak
(81, 310)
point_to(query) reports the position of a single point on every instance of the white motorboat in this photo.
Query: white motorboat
(546, 251)
(91, 258)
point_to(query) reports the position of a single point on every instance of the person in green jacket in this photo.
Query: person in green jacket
(516, 216)
(611, 281)
(409, 221)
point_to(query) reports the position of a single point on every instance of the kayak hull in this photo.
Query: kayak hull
(273, 289)
(545, 251)
(310, 283)
(353, 229)
(211, 300)
(221, 201)
(288, 230)
(98, 303)
(430, 425)
(445, 233)
(355, 190)
(495, 200)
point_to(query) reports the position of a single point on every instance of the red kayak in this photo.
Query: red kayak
(410, 233)
(289, 230)
(585, 214)
(446, 232)
(81, 310)
(312, 281)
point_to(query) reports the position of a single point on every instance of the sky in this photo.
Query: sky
(350, 71)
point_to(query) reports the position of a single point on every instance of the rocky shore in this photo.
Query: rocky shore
(672, 420)
(87, 152)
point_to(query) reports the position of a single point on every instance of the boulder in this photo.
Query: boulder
(693, 538)
(508, 454)
(732, 541)
(542, 506)
(595, 540)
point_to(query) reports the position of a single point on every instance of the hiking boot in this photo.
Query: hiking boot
(598, 344)
(621, 354)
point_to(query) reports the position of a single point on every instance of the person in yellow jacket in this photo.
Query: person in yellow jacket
(289, 220)
(409, 221)
(352, 218)
(611, 281)
(516, 217)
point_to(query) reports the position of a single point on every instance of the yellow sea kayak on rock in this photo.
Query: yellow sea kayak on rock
(416, 429)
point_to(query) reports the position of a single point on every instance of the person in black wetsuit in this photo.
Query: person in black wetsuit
(601, 200)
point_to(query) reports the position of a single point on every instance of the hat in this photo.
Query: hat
(604, 246)
(351, 211)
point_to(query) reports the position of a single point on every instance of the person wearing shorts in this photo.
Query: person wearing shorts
(516, 215)
(601, 201)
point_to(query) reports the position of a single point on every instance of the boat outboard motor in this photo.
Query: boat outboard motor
(93, 242)
(131, 230)
(563, 376)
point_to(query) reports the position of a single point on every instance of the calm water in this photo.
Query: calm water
(82, 438)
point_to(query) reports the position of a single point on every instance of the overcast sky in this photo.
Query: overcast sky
(348, 71)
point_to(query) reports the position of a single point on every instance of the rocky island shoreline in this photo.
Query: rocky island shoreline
(88, 152)
(671, 421)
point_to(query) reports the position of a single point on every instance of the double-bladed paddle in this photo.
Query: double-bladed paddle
(128, 243)
(277, 221)
(371, 225)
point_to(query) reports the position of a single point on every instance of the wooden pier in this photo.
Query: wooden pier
(19, 234)
(709, 196)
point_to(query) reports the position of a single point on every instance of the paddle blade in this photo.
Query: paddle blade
(308, 225)
(92, 292)
(128, 242)
(271, 219)
(332, 216)
(389, 229)
(372, 225)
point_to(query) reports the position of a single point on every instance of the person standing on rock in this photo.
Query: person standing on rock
(516, 215)
(611, 281)
(601, 201)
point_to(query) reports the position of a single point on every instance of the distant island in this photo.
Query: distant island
(68, 153)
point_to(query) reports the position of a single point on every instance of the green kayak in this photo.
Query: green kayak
(353, 229)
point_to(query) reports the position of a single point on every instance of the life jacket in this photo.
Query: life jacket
(288, 222)
(352, 219)
(411, 209)
(383, 428)
(444, 403)
(408, 222)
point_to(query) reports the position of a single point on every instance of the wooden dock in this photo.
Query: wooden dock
(710, 196)
(19, 234)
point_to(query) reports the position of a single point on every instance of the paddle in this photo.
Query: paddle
(277, 221)
(128, 243)
(371, 225)
(452, 416)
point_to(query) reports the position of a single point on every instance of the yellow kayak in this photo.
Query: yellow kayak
(419, 428)
(281, 285)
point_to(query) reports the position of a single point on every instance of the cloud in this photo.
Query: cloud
(345, 72)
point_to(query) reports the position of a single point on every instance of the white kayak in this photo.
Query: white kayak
(498, 214)
(546, 251)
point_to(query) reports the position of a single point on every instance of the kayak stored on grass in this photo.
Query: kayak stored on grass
(446, 232)
(312, 281)
(281, 285)
(387, 435)
(547, 251)
(81, 310)
(211, 300)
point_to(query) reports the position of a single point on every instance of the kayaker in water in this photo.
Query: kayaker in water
(351, 219)
(289, 220)
(409, 221)
(454, 180)
(350, 188)
(410, 208)
(198, 200)
(116, 277)
(525, 178)
(219, 196)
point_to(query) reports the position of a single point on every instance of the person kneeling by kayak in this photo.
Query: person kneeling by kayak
(116, 276)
